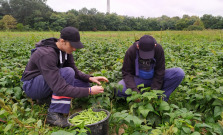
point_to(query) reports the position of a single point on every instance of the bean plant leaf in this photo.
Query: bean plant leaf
(8, 127)
(202, 125)
(62, 132)
(14, 108)
(143, 111)
(217, 111)
(140, 86)
(128, 91)
(149, 95)
(39, 123)
(30, 120)
(149, 106)
(217, 102)
(17, 92)
(135, 119)
(164, 106)
(186, 130)
(195, 133)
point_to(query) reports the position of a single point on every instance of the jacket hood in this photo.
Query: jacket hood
(50, 42)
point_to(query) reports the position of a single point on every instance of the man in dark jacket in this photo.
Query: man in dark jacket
(51, 73)
(144, 63)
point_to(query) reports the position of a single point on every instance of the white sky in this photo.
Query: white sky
(146, 8)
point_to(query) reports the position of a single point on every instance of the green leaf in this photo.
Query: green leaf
(202, 125)
(186, 130)
(3, 111)
(195, 133)
(135, 96)
(217, 102)
(143, 111)
(61, 132)
(217, 111)
(149, 95)
(140, 86)
(135, 119)
(149, 106)
(9, 91)
(30, 120)
(128, 99)
(39, 123)
(164, 106)
(17, 92)
(145, 89)
(8, 127)
(14, 108)
(128, 91)
(145, 127)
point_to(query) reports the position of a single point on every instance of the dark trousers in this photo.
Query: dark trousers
(37, 88)
(172, 80)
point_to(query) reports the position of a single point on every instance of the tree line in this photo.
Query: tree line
(25, 15)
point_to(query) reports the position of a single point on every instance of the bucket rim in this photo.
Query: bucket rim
(106, 118)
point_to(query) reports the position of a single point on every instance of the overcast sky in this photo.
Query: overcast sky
(146, 8)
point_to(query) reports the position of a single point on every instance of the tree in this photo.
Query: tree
(5, 8)
(20, 27)
(112, 22)
(182, 24)
(100, 22)
(1, 25)
(57, 21)
(198, 22)
(92, 11)
(71, 20)
(83, 11)
(23, 10)
(167, 22)
(198, 25)
(9, 22)
(208, 21)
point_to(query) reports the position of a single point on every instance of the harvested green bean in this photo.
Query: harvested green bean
(88, 117)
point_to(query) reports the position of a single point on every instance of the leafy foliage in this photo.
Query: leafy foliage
(37, 15)
(195, 107)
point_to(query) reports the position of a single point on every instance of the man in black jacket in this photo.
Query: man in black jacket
(144, 63)
(51, 73)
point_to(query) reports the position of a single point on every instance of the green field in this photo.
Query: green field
(195, 107)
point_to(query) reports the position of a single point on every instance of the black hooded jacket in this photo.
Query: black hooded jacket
(47, 61)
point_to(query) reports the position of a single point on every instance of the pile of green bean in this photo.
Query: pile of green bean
(88, 117)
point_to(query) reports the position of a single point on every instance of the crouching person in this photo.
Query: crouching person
(51, 74)
(144, 63)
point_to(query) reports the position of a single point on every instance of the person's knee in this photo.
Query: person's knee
(67, 71)
(180, 72)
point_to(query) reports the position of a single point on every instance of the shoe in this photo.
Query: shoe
(57, 119)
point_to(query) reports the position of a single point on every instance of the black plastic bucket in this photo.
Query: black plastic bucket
(99, 128)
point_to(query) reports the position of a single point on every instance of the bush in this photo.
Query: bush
(20, 27)
(195, 27)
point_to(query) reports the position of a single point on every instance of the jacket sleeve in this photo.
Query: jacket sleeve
(159, 72)
(78, 73)
(51, 74)
(128, 70)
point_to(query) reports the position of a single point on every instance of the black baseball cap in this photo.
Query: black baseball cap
(146, 47)
(72, 35)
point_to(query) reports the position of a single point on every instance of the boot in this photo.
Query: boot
(57, 119)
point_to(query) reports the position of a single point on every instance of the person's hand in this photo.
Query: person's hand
(96, 90)
(97, 79)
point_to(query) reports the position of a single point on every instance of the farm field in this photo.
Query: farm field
(195, 107)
